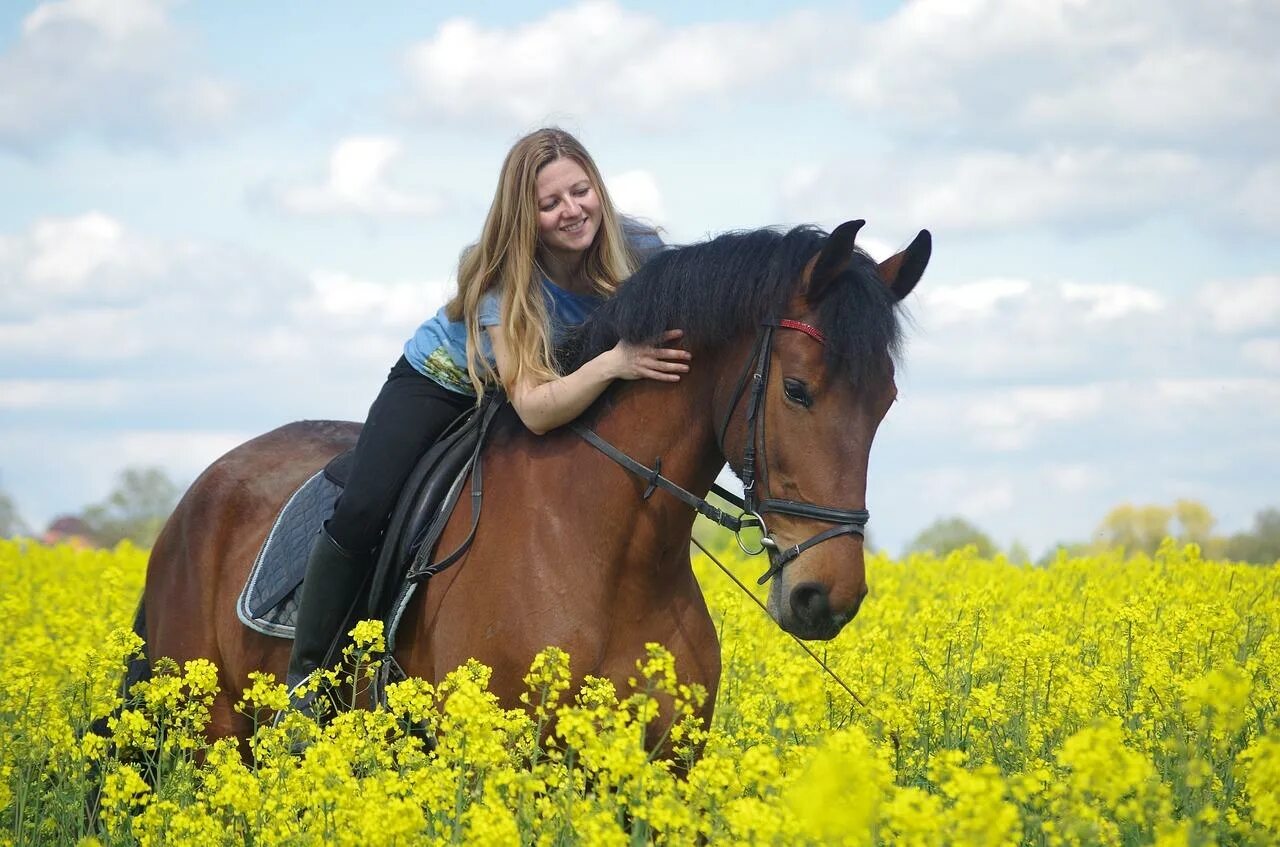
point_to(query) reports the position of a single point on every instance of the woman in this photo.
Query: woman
(551, 250)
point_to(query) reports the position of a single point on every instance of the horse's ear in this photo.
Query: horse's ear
(902, 271)
(833, 259)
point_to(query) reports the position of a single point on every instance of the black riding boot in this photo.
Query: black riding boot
(334, 583)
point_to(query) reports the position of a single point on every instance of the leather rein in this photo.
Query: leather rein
(752, 509)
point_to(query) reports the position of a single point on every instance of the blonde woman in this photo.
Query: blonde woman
(551, 250)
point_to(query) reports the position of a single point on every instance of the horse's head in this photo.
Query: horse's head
(802, 442)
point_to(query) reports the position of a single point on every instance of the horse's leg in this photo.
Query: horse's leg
(505, 622)
(681, 623)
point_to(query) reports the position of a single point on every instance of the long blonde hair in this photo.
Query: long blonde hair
(506, 257)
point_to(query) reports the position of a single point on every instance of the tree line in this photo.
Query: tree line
(138, 505)
(1136, 528)
(134, 510)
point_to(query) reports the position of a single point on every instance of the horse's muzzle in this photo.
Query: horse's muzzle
(811, 615)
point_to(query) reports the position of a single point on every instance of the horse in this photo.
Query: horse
(793, 338)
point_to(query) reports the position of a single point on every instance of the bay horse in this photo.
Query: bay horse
(793, 337)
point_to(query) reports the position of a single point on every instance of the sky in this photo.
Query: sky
(216, 218)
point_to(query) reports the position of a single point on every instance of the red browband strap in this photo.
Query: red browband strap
(810, 331)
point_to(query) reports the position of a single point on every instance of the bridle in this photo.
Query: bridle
(752, 507)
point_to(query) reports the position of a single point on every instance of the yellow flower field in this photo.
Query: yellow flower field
(1095, 701)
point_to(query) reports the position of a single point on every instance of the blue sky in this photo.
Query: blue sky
(217, 218)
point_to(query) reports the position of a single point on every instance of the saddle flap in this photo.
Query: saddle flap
(269, 601)
(419, 502)
(338, 471)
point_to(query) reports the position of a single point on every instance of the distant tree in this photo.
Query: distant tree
(11, 522)
(947, 534)
(1142, 528)
(1262, 545)
(136, 509)
(1194, 520)
(1018, 553)
(1071, 548)
(1135, 528)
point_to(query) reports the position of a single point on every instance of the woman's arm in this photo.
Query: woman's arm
(547, 405)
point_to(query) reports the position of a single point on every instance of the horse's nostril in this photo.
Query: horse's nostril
(809, 600)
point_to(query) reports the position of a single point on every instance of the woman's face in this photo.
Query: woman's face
(568, 207)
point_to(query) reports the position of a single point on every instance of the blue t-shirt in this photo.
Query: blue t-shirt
(438, 349)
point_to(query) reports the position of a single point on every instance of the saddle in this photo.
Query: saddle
(269, 600)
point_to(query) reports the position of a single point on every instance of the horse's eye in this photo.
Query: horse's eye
(797, 392)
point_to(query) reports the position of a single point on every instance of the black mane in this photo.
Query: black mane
(718, 289)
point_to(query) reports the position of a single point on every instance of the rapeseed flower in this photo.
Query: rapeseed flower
(1098, 700)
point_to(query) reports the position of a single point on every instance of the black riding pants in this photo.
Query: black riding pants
(409, 414)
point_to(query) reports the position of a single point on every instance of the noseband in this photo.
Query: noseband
(753, 509)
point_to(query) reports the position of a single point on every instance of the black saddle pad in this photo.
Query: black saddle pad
(269, 601)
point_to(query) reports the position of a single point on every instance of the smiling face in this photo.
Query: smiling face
(568, 208)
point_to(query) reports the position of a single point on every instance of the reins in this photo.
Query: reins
(751, 509)
(893, 733)
(765, 609)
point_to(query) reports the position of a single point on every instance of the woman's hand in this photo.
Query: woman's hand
(544, 406)
(651, 361)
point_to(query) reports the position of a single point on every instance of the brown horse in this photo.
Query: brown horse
(567, 551)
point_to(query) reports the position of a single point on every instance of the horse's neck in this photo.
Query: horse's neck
(598, 570)
(650, 421)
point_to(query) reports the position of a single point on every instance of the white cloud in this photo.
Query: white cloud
(1108, 302)
(61, 394)
(1246, 305)
(83, 333)
(1073, 68)
(996, 190)
(115, 69)
(962, 304)
(1211, 393)
(205, 347)
(973, 494)
(1263, 352)
(116, 19)
(63, 253)
(340, 295)
(1020, 329)
(1073, 114)
(358, 183)
(636, 193)
(1026, 419)
(184, 453)
(1010, 420)
(1076, 478)
(1256, 198)
(594, 57)
(88, 291)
